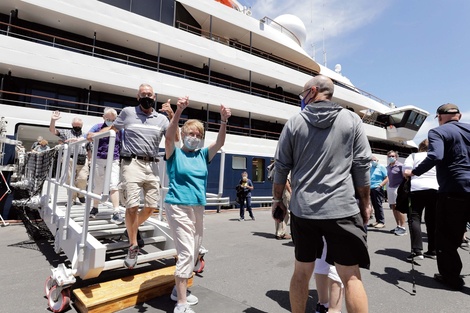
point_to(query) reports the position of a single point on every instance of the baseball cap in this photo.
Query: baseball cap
(447, 108)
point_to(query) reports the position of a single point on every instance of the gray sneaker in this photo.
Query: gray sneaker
(400, 231)
(190, 298)
(183, 309)
(117, 218)
(131, 259)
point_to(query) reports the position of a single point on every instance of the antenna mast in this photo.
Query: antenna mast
(324, 50)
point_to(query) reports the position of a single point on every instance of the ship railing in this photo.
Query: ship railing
(48, 103)
(65, 174)
(80, 47)
(263, 200)
(128, 59)
(243, 47)
(268, 56)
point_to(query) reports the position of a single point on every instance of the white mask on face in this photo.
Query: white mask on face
(191, 143)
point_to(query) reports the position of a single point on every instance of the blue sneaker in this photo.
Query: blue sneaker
(117, 218)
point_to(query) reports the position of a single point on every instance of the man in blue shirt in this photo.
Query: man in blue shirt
(449, 151)
(378, 179)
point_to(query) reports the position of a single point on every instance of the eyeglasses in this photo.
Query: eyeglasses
(301, 94)
(391, 156)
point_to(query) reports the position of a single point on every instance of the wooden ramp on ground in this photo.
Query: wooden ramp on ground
(118, 294)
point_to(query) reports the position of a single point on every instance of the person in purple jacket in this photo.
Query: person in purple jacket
(109, 116)
(449, 151)
(395, 177)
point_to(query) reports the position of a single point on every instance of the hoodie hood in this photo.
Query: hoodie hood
(321, 114)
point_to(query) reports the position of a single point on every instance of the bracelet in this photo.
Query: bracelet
(276, 200)
(223, 122)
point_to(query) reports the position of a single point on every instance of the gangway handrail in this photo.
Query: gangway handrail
(68, 154)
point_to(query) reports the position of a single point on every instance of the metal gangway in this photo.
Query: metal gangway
(91, 245)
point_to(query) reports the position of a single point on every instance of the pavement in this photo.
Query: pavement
(247, 270)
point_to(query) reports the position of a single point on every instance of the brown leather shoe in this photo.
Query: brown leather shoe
(285, 236)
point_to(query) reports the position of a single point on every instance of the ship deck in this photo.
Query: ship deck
(247, 270)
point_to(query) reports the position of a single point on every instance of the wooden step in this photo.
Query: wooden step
(118, 294)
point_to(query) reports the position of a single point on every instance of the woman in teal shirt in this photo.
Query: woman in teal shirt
(186, 198)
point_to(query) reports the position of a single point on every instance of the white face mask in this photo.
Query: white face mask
(191, 142)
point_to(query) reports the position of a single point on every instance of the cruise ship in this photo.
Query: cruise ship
(79, 57)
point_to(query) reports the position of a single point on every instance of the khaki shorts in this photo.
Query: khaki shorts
(139, 175)
(99, 175)
(392, 195)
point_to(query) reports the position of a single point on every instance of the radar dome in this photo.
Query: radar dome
(293, 24)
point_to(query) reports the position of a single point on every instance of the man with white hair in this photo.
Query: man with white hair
(109, 116)
(68, 136)
(36, 143)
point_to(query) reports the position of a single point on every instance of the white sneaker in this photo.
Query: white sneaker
(131, 259)
(185, 308)
(190, 298)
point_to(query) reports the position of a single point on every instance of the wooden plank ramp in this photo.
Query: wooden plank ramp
(118, 294)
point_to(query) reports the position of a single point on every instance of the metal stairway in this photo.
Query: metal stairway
(91, 245)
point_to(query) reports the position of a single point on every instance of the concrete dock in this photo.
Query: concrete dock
(247, 270)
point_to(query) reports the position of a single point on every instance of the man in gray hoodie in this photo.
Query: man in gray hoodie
(326, 149)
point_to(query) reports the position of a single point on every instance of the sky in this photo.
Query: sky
(407, 52)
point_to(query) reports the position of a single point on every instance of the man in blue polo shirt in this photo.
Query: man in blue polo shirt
(449, 151)
(143, 129)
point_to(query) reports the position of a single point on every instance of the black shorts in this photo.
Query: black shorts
(346, 239)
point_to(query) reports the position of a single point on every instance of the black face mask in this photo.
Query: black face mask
(146, 103)
(77, 129)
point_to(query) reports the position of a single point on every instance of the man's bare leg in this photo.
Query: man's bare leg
(298, 292)
(132, 223)
(144, 214)
(355, 294)
(134, 218)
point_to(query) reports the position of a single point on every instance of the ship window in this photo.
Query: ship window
(420, 120)
(257, 170)
(150, 9)
(396, 118)
(412, 117)
(238, 163)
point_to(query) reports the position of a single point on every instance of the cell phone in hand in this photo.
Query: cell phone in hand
(278, 213)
